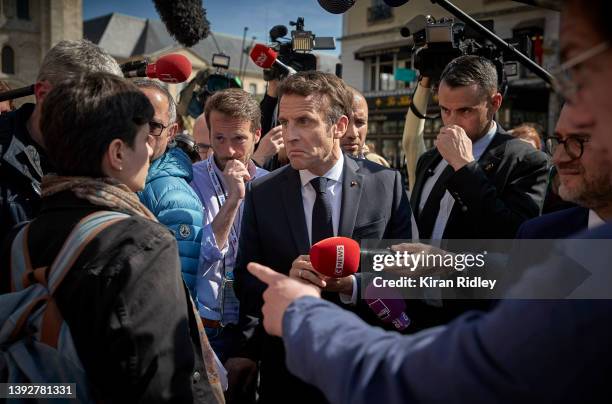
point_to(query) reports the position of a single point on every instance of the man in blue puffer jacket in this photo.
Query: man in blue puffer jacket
(167, 192)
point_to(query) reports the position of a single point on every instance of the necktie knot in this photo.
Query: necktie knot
(319, 184)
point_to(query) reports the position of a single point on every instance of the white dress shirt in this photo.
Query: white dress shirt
(447, 201)
(594, 220)
(334, 190)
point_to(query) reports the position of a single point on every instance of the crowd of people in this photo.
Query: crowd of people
(146, 264)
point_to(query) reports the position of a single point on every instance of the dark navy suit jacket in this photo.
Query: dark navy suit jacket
(560, 224)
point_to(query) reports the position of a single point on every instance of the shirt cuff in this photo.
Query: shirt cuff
(352, 299)
(209, 249)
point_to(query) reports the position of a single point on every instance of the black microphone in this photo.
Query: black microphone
(336, 6)
(17, 93)
(185, 20)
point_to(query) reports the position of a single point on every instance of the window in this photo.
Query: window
(8, 60)
(381, 72)
(253, 88)
(23, 9)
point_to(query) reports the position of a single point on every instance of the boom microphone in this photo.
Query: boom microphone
(173, 68)
(265, 58)
(390, 309)
(336, 6)
(185, 20)
(335, 257)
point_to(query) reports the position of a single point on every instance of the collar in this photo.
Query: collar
(479, 147)
(334, 173)
(594, 220)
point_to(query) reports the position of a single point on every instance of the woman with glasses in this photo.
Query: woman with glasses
(122, 298)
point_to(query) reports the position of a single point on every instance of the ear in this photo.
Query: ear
(114, 158)
(496, 102)
(41, 89)
(256, 136)
(172, 131)
(341, 126)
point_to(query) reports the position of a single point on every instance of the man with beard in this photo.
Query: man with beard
(233, 118)
(522, 350)
(585, 179)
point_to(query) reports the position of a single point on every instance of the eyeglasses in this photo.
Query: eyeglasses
(573, 145)
(156, 128)
(564, 82)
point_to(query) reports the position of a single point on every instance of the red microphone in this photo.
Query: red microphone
(335, 257)
(266, 57)
(173, 68)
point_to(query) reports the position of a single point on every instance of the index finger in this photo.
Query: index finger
(264, 273)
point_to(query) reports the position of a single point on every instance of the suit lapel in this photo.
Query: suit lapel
(428, 165)
(294, 210)
(489, 162)
(493, 154)
(352, 187)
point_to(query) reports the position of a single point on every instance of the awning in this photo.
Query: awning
(403, 46)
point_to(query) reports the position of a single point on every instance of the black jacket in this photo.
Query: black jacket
(22, 165)
(125, 304)
(493, 195)
(273, 232)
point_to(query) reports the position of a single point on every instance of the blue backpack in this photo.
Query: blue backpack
(36, 345)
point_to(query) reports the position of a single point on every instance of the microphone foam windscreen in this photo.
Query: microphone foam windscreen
(263, 56)
(173, 68)
(395, 3)
(336, 6)
(185, 20)
(335, 257)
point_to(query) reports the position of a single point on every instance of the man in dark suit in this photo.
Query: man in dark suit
(522, 351)
(322, 193)
(585, 175)
(478, 182)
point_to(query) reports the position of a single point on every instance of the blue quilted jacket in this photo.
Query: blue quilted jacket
(168, 195)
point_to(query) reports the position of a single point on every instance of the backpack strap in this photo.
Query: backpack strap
(51, 277)
(20, 259)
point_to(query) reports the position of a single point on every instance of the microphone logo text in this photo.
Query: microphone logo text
(339, 260)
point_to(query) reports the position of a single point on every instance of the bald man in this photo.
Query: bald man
(353, 141)
(202, 137)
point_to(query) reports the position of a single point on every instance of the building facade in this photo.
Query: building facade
(374, 53)
(28, 29)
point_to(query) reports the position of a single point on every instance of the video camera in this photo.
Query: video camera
(437, 42)
(297, 51)
(207, 83)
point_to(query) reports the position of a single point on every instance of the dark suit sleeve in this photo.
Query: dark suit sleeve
(400, 225)
(523, 351)
(249, 289)
(502, 214)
